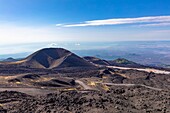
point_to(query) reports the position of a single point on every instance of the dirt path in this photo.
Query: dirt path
(157, 71)
(86, 87)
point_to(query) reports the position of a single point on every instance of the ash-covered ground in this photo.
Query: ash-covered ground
(116, 100)
(83, 90)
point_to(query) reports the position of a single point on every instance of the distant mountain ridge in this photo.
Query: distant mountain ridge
(96, 60)
(10, 59)
(117, 62)
(49, 58)
(125, 63)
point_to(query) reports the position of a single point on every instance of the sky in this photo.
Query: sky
(52, 21)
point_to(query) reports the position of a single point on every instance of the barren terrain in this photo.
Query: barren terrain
(83, 89)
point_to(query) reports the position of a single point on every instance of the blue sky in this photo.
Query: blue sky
(35, 21)
(69, 11)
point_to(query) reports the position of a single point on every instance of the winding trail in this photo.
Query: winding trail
(86, 87)
(157, 71)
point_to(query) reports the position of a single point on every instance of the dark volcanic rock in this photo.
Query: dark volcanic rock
(14, 80)
(126, 100)
(50, 58)
(96, 60)
(2, 110)
(55, 57)
(58, 82)
(31, 76)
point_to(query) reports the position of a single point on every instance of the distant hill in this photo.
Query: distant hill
(117, 62)
(50, 58)
(10, 59)
(53, 58)
(125, 63)
(96, 60)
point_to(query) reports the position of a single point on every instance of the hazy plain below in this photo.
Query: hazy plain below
(155, 53)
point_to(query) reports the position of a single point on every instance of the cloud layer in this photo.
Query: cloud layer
(149, 21)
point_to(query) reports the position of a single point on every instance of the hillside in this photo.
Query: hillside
(96, 60)
(10, 59)
(52, 58)
(117, 62)
(125, 63)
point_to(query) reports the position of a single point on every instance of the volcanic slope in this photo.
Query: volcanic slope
(125, 63)
(49, 58)
(97, 60)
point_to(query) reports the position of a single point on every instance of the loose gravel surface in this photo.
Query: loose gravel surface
(117, 100)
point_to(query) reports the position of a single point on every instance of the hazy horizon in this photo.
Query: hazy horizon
(143, 52)
(32, 47)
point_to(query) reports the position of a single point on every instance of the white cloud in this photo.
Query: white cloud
(118, 21)
(155, 24)
(58, 25)
(77, 44)
(53, 45)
